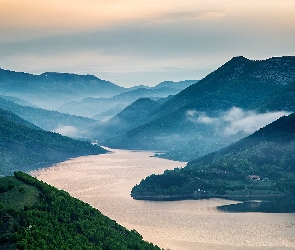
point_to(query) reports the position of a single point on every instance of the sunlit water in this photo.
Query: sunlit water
(105, 182)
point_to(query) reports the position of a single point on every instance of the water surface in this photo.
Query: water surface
(105, 182)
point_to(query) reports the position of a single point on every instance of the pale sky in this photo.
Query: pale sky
(133, 42)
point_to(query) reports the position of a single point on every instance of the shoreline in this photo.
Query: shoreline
(237, 197)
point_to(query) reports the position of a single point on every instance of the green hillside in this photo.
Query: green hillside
(35, 215)
(261, 165)
(24, 148)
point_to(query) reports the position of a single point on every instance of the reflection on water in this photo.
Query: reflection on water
(282, 205)
(105, 182)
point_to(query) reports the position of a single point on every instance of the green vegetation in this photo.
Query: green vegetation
(35, 215)
(262, 164)
(23, 148)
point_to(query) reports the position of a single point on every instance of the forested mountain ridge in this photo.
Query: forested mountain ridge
(282, 99)
(35, 215)
(24, 148)
(238, 82)
(260, 165)
(179, 124)
(16, 119)
(52, 89)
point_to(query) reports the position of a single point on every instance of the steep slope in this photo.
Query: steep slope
(35, 215)
(50, 89)
(16, 119)
(283, 99)
(48, 120)
(133, 115)
(24, 148)
(186, 122)
(260, 165)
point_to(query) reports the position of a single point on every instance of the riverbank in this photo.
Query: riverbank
(238, 197)
(105, 182)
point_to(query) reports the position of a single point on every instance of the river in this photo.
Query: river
(105, 182)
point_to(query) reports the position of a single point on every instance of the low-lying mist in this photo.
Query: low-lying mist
(235, 120)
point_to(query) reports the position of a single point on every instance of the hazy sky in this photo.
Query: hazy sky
(132, 42)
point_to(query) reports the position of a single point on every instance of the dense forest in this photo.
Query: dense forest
(35, 215)
(26, 148)
(262, 165)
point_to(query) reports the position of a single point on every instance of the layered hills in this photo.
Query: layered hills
(90, 106)
(258, 166)
(26, 147)
(51, 89)
(132, 116)
(197, 120)
(35, 215)
(48, 119)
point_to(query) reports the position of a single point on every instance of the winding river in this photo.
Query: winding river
(105, 181)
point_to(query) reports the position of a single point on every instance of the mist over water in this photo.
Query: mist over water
(105, 182)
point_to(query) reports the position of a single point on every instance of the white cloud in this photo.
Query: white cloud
(70, 131)
(199, 117)
(235, 120)
(250, 121)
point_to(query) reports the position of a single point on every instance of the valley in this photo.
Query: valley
(177, 163)
(105, 181)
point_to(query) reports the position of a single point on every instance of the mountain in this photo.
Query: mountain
(282, 99)
(176, 85)
(106, 115)
(35, 215)
(260, 165)
(195, 121)
(26, 148)
(50, 89)
(17, 101)
(132, 116)
(49, 120)
(90, 107)
(16, 119)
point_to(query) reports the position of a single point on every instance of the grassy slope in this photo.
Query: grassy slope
(35, 215)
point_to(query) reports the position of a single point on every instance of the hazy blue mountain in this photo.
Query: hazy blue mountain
(133, 115)
(17, 101)
(176, 85)
(26, 148)
(49, 120)
(50, 90)
(260, 165)
(195, 121)
(106, 115)
(92, 106)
